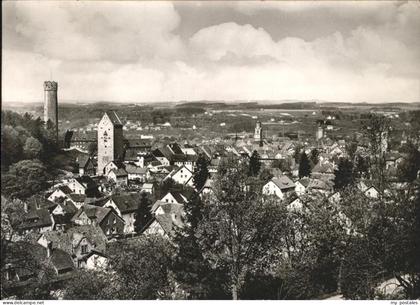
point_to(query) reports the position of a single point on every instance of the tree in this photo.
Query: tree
(304, 166)
(361, 167)
(314, 157)
(143, 214)
(383, 242)
(140, 268)
(191, 270)
(12, 212)
(408, 169)
(376, 129)
(297, 154)
(32, 148)
(254, 164)
(239, 231)
(313, 245)
(11, 146)
(24, 179)
(88, 285)
(343, 174)
(201, 173)
(351, 148)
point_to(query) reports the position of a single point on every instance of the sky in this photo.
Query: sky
(139, 51)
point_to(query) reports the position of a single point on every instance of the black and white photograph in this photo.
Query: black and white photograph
(210, 150)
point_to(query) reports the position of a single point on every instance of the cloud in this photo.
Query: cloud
(91, 30)
(130, 52)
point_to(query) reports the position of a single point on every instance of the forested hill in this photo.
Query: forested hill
(30, 155)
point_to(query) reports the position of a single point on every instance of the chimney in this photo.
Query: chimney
(49, 248)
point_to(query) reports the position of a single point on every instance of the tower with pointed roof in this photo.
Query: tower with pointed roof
(110, 140)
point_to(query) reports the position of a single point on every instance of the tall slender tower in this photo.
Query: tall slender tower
(110, 140)
(51, 104)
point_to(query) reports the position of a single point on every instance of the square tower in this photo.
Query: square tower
(110, 140)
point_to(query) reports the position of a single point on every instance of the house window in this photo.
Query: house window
(84, 249)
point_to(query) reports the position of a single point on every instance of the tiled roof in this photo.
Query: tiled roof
(132, 169)
(65, 189)
(179, 197)
(36, 219)
(120, 172)
(139, 143)
(158, 153)
(283, 182)
(77, 197)
(131, 154)
(127, 203)
(93, 212)
(168, 224)
(62, 219)
(114, 118)
(61, 260)
(68, 207)
(175, 148)
(304, 181)
(318, 184)
(66, 240)
(86, 181)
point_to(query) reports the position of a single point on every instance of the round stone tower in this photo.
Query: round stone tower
(51, 104)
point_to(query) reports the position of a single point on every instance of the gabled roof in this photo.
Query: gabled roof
(82, 160)
(178, 169)
(127, 203)
(114, 118)
(157, 204)
(158, 153)
(139, 143)
(305, 181)
(93, 212)
(131, 154)
(62, 219)
(85, 180)
(175, 148)
(283, 182)
(65, 189)
(68, 207)
(178, 196)
(36, 219)
(77, 197)
(61, 260)
(120, 172)
(132, 169)
(318, 184)
(73, 236)
(168, 224)
(209, 183)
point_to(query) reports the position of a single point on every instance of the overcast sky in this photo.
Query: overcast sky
(164, 51)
